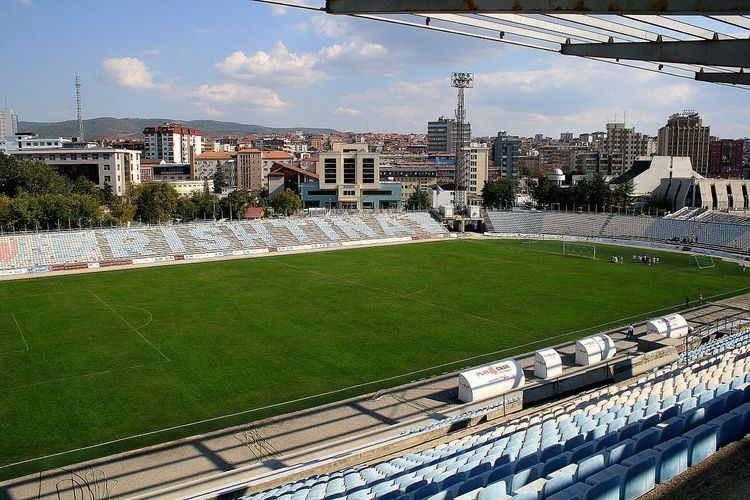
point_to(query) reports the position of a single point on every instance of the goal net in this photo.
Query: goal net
(704, 261)
(579, 249)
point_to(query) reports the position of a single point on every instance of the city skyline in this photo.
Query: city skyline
(259, 64)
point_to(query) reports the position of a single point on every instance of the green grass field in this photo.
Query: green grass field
(96, 357)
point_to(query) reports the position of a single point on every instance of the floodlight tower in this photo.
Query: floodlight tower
(461, 81)
(79, 108)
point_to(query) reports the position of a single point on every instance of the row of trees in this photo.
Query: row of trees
(33, 195)
(593, 195)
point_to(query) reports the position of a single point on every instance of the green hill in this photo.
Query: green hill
(133, 127)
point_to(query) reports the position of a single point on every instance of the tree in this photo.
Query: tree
(499, 193)
(219, 180)
(622, 194)
(6, 211)
(541, 192)
(34, 177)
(156, 203)
(599, 193)
(418, 200)
(286, 203)
(122, 210)
(235, 203)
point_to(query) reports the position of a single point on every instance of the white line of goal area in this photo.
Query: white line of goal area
(621, 321)
(20, 332)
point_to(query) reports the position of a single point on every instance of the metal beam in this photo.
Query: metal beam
(674, 7)
(738, 21)
(732, 78)
(731, 53)
(678, 27)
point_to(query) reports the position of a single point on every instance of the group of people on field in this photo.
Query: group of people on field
(645, 259)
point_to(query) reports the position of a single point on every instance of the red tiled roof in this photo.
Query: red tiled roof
(254, 212)
(215, 155)
(276, 155)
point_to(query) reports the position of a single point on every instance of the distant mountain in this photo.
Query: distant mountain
(133, 127)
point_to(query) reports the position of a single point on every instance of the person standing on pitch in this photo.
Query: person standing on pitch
(687, 301)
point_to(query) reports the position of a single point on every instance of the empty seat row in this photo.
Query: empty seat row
(27, 250)
(542, 454)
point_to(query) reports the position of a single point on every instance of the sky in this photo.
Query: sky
(242, 61)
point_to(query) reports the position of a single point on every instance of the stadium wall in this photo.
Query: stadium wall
(38, 253)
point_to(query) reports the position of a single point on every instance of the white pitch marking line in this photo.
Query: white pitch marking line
(20, 331)
(131, 326)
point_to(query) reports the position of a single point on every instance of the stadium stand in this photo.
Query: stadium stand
(616, 442)
(699, 231)
(43, 252)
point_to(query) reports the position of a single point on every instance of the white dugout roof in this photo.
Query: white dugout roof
(703, 40)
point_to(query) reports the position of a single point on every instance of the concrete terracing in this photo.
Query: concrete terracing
(271, 449)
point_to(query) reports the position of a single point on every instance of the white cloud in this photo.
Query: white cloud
(209, 110)
(329, 26)
(353, 52)
(151, 52)
(238, 95)
(567, 95)
(280, 10)
(347, 111)
(24, 3)
(277, 67)
(131, 72)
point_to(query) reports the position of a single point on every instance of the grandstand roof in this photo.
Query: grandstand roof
(705, 41)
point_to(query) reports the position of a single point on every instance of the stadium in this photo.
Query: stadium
(171, 361)
(490, 348)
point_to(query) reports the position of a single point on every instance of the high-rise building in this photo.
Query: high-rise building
(725, 158)
(250, 170)
(566, 136)
(505, 153)
(442, 135)
(627, 145)
(8, 129)
(172, 143)
(478, 156)
(8, 123)
(685, 135)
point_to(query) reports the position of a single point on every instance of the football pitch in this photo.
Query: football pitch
(95, 358)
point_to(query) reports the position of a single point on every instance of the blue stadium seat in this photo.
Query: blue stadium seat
(619, 452)
(702, 443)
(673, 458)
(640, 477)
(589, 466)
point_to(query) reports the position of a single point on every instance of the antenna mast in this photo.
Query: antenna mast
(461, 81)
(79, 108)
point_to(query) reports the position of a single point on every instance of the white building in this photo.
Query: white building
(188, 187)
(117, 168)
(172, 143)
(8, 124)
(207, 163)
(647, 173)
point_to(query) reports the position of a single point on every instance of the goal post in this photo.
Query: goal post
(576, 249)
(704, 261)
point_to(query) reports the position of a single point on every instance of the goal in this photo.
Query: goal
(704, 261)
(579, 249)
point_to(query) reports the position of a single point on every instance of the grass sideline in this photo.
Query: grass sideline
(114, 354)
